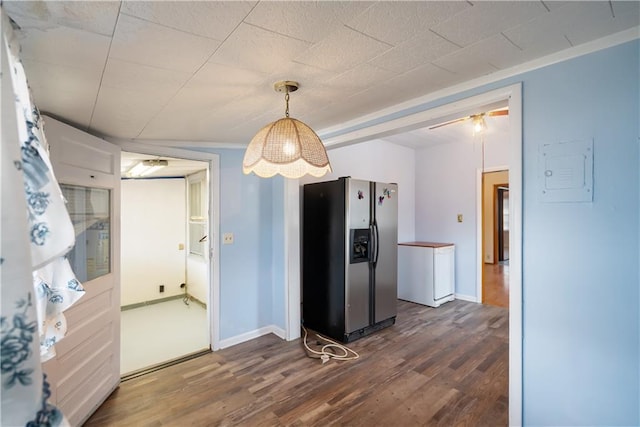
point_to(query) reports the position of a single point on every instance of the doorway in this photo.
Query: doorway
(495, 238)
(502, 230)
(165, 266)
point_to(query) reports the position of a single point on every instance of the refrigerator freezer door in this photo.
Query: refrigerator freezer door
(357, 273)
(385, 207)
(358, 199)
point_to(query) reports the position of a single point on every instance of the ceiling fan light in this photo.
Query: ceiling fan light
(479, 125)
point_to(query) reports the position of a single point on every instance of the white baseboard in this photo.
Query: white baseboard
(279, 332)
(466, 298)
(248, 336)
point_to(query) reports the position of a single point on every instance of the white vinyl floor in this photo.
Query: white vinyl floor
(157, 333)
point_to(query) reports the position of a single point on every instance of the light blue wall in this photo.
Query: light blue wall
(581, 328)
(247, 270)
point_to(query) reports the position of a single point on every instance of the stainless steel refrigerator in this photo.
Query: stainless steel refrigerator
(349, 257)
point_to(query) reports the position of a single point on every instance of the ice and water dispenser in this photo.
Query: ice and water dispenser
(359, 244)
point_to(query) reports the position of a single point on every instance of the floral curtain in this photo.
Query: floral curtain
(37, 283)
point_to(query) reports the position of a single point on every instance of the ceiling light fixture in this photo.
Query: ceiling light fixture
(479, 125)
(478, 120)
(147, 167)
(287, 146)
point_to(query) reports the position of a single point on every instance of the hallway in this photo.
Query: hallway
(496, 284)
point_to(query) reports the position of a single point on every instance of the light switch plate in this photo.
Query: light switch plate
(565, 171)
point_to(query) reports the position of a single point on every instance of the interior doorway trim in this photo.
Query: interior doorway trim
(213, 161)
(512, 94)
(292, 257)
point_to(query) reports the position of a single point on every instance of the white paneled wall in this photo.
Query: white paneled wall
(153, 227)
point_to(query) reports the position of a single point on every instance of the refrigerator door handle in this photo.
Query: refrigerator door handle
(372, 245)
(377, 243)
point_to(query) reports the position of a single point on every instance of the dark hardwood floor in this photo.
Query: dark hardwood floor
(446, 366)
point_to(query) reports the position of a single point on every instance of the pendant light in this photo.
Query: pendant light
(287, 146)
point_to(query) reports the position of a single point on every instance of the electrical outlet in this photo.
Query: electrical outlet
(227, 238)
(161, 288)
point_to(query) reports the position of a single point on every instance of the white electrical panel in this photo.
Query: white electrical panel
(565, 171)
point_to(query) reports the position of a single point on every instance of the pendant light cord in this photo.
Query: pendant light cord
(286, 98)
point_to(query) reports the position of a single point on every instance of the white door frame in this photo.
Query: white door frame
(513, 96)
(292, 259)
(213, 161)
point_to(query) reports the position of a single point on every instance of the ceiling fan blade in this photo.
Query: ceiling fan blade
(498, 113)
(450, 123)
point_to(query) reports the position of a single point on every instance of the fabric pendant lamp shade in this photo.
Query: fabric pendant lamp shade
(287, 147)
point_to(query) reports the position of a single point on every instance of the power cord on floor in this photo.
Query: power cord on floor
(185, 299)
(328, 351)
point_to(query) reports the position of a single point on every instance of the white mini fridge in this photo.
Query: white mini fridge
(426, 272)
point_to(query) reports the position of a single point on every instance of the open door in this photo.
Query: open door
(87, 366)
(164, 284)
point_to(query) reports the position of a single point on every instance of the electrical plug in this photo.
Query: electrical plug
(325, 358)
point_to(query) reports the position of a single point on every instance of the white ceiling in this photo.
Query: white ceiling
(204, 71)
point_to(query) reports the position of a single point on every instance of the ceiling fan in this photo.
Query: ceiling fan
(477, 119)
